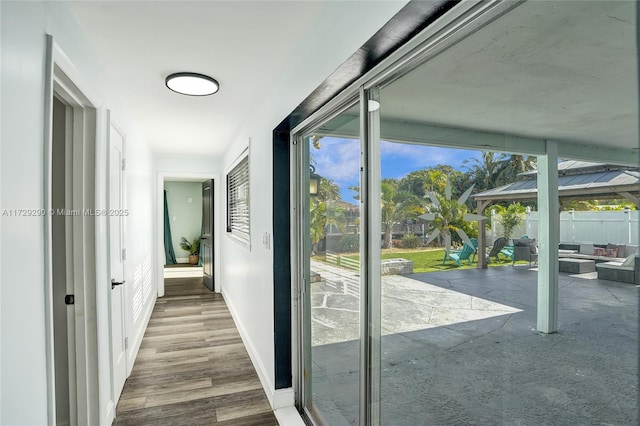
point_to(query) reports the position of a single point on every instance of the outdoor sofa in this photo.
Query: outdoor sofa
(614, 262)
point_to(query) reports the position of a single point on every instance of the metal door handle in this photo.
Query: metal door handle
(115, 283)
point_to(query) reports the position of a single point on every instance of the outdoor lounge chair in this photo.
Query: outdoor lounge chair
(463, 254)
(525, 249)
(507, 251)
(498, 247)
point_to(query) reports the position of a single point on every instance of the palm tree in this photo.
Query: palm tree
(513, 164)
(328, 191)
(397, 207)
(325, 214)
(486, 170)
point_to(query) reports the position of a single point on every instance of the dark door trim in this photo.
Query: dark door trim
(207, 245)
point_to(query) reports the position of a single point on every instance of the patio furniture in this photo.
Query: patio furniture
(496, 250)
(525, 249)
(463, 254)
(576, 266)
(627, 271)
(507, 251)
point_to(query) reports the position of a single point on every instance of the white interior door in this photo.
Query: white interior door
(117, 257)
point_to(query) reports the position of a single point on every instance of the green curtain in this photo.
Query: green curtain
(169, 254)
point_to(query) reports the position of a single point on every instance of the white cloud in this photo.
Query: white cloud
(338, 160)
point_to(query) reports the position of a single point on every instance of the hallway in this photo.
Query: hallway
(192, 367)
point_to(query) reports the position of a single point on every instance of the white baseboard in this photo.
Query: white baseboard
(288, 416)
(278, 399)
(283, 398)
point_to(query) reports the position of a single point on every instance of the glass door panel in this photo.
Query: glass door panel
(332, 308)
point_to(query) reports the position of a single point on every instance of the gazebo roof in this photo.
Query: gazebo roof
(578, 180)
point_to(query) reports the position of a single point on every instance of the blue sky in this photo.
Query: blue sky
(339, 160)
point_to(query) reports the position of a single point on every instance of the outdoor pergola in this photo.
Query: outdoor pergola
(577, 180)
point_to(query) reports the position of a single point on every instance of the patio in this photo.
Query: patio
(460, 347)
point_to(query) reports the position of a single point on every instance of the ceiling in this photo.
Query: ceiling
(563, 70)
(246, 46)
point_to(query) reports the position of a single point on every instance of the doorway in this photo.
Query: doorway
(63, 315)
(70, 252)
(187, 216)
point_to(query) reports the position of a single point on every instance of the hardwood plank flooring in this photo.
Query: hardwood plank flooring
(192, 368)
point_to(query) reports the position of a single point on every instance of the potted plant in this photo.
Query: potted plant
(192, 247)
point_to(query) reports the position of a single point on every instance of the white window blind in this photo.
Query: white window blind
(238, 200)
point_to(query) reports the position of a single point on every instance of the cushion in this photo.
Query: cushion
(620, 247)
(629, 261)
(586, 248)
(611, 252)
(599, 251)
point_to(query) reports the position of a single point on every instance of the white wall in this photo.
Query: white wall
(247, 274)
(139, 271)
(185, 216)
(23, 352)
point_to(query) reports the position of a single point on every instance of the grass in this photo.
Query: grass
(424, 260)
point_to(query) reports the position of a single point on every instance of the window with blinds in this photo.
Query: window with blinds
(238, 200)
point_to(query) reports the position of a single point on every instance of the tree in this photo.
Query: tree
(325, 212)
(397, 206)
(485, 170)
(513, 164)
(317, 224)
(511, 217)
(328, 191)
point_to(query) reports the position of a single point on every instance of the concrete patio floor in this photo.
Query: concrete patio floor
(481, 362)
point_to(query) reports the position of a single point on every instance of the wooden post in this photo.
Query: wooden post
(482, 236)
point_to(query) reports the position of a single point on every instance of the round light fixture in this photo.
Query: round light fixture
(192, 84)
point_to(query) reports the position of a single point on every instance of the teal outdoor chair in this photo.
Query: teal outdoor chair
(507, 252)
(466, 253)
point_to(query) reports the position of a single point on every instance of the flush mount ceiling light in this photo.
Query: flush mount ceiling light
(192, 84)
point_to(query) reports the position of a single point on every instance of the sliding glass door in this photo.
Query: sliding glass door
(331, 268)
(416, 305)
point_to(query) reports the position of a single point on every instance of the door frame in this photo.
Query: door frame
(89, 254)
(458, 22)
(163, 176)
(212, 232)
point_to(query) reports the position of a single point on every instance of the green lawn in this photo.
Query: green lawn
(424, 260)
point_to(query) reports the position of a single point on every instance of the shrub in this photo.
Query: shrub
(348, 243)
(411, 241)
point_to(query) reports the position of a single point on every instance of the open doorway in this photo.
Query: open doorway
(183, 226)
(70, 256)
(187, 237)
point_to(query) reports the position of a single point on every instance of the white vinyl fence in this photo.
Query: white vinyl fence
(618, 226)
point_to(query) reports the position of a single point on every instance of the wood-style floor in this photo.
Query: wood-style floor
(192, 368)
